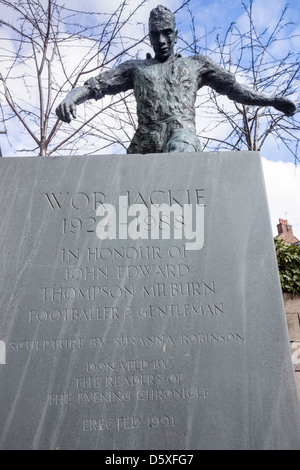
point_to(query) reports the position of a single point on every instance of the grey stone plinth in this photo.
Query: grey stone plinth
(141, 343)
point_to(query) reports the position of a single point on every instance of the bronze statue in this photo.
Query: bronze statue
(165, 89)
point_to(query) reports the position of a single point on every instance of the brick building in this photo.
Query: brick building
(285, 232)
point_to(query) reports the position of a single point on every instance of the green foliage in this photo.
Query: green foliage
(288, 258)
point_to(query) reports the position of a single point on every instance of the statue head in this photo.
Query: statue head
(162, 32)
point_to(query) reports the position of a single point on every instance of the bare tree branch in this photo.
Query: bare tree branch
(253, 54)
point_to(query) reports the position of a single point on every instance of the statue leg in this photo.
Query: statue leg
(147, 141)
(183, 141)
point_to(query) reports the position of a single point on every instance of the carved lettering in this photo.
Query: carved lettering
(177, 289)
(167, 196)
(163, 311)
(91, 273)
(102, 424)
(172, 394)
(99, 397)
(57, 399)
(153, 340)
(77, 201)
(122, 253)
(56, 200)
(150, 271)
(96, 342)
(125, 423)
(58, 294)
(130, 365)
(132, 380)
(212, 338)
(47, 344)
(74, 314)
(70, 255)
(87, 382)
(82, 201)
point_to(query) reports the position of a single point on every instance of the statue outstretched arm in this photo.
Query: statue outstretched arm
(244, 95)
(224, 83)
(66, 110)
(110, 82)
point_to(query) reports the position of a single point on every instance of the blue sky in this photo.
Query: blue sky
(282, 179)
(220, 13)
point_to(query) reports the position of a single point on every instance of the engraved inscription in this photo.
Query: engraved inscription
(102, 424)
(86, 273)
(153, 307)
(82, 201)
(210, 338)
(75, 314)
(141, 271)
(47, 344)
(163, 311)
(125, 341)
(130, 365)
(127, 422)
(54, 294)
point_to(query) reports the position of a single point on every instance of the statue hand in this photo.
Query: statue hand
(66, 110)
(285, 105)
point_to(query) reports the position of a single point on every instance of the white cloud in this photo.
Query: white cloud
(283, 191)
(261, 15)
